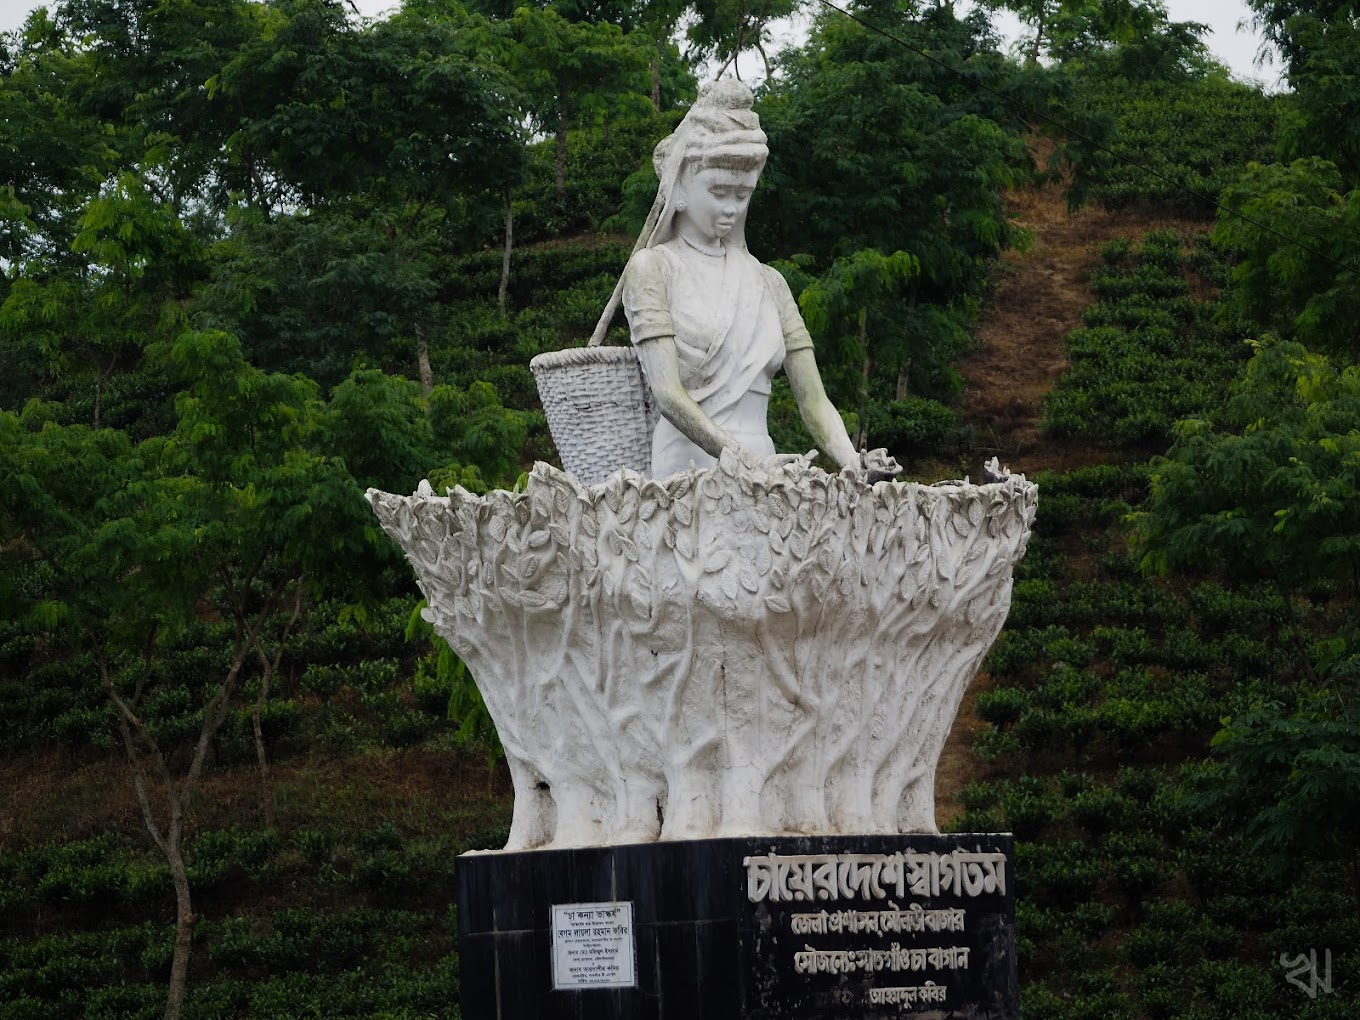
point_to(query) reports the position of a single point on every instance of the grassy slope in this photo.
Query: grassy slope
(1080, 736)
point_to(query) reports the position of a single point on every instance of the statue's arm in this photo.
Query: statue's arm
(662, 370)
(800, 365)
(820, 416)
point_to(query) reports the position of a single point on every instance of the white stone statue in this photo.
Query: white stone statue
(711, 324)
(741, 644)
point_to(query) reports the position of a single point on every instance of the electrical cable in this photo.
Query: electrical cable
(1033, 112)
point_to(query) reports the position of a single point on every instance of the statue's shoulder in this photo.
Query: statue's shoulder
(648, 264)
(774, 279)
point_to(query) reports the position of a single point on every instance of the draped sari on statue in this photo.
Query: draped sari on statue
(733, 321)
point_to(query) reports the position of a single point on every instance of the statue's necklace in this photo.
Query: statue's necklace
(718, 252)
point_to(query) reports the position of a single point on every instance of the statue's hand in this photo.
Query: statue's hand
(775, 461)
(874, 466)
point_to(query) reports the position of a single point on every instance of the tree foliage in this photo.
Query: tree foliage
(1274, 489)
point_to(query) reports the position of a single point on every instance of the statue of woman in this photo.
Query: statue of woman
(711, 324)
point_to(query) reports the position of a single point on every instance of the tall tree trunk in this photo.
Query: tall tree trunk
(184, 931)
(423, 360)
(561, 141)
(1033, 58)
(656, 77)
(268, 667)
(261, 753)
(509, 246)
(903, 372)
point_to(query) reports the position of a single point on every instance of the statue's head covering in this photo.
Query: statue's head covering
(720, 130)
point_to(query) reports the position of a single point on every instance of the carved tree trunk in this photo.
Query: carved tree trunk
(509, 246)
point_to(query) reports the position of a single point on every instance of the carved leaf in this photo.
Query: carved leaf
(763, 559)
(561, 500)
(777, 578)
(628, 548)
(748, 577)
(532, 599)
(668, 536)
(777, 604)
(728, 584)
(538, 539)
(798, 545)
(496, 529)
(683, 513)
(559, 534)
(628, 506)
(717, 560)
(684, 546)
(648, 509)
(786, 526)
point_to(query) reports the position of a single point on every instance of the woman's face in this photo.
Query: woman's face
(716, 200)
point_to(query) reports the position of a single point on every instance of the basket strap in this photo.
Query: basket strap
(674, 160)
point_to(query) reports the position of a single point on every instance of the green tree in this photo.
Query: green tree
(873, 150)
(1288, 777)
(1274, 491)
(571, 70)
(238, 515)
(1296, 243)
(724, 29)
(864, 303)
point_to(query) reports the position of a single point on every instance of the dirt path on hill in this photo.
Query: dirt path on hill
(1040, 296)
(1039, 299)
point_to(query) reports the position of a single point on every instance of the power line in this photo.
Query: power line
(1034, 112)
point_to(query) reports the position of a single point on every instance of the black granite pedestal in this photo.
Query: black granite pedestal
(774, 928)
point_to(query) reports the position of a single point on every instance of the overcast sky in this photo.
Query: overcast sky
(1235, 48)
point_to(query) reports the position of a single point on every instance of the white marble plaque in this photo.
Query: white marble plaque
(593, 945)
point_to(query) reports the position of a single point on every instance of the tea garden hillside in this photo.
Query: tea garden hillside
(260, 256)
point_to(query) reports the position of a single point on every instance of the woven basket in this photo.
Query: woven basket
(600, 410)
